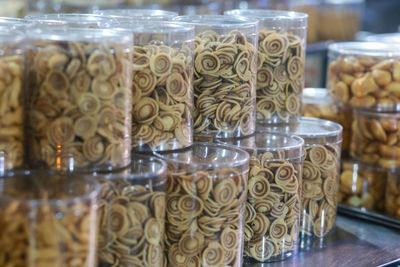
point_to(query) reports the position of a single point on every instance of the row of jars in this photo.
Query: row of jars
(205, 205)
(362, 81)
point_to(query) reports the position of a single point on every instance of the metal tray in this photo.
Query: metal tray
(369, 216)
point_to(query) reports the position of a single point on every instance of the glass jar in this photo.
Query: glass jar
(224, 75)
(392, 200)
(206, 202)
(48, 219)
(362, 186)
(132, 214)
(71, 20)
(365, 75)
(317, 103)
(139, 14)
(162, 85)
(280, 67)
(273, 196)
(375, 138)
(12, 114)
(79, 100)
(322, 142)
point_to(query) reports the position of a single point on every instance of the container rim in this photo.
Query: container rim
(384, 37)
(269, 14)
(147, 26)
(65, 18)
(219, 21)
(137, 13)
(365, 48)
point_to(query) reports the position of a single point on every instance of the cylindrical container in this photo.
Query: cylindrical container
(162, 85)
(139, 14)
(362, 186)
(12, 140)
(132, 214)
(71, 20)
(322, 142)
(383, 37)
(48, 219)
(273, 196)
(206, 202)
(364, 74)
(392, 200)
(280, 65)
(376, 138)
(79, 98)
(317, 103)
(340, 20)
(225, 60)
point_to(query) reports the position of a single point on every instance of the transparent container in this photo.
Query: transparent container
(79, 103)
(13, 23)
(12, 140)
(48, 219)
(273, 196)
(384, 37)
(132, 214)
(206, 202)
(317, 103)
(365, 75)
(71, 20)
(375, 138)
(139, 14)
(321, 165)
(340, 20)
(362, 186)
(162, 85)
(280, 65)
(225, 60)
(392, 200)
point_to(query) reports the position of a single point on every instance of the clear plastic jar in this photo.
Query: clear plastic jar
(366, 75)
(317, 103)
(162, 85)
(48, 219)
(375, 138)
(362, 186)
(12, 114)
(392, 200)
(224, 75)
(71, 20)
(321, 165)
(79, 100)
(280, 66)
(273, 196)
(206, 202)
(139, 14)
(132, 214)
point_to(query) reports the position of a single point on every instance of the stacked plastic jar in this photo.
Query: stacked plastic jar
(366, 78)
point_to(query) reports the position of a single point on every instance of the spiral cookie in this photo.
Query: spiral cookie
(392, 200)
(204, 217)
(320, 189)
(273, 206)
(79, 107)
(280, 75)
(11, 111)
(162, 97)
(224, 85)
(131, 218)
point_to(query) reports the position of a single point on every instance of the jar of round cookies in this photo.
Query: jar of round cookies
(365, 75)
(132, 214)
(79, 98)
(162, 94)
(48, 219)
(273, 196)
(139, 14)
(206, 202)
(321, 165)
(224, 83)
(392, 199)
(280, 66)
(375, 138)
(318, 103)
(362, 186)
(12, 114)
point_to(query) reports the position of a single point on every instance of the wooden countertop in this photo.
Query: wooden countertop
(352, 243)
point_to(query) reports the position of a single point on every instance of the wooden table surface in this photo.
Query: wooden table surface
(352, 243)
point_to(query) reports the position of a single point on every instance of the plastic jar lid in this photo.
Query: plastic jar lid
(141, 14)
(219, 21)
(364, 48)
(384, 37)
(292, 145)
(314, 131)
(317, 96)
